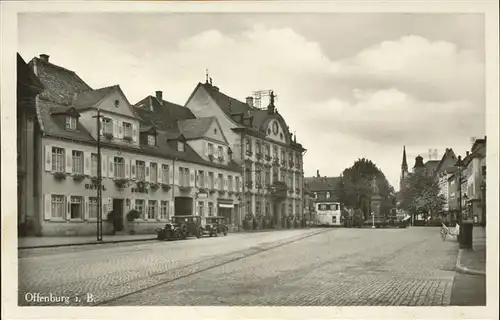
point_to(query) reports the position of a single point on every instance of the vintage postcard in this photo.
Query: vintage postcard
(250, 160)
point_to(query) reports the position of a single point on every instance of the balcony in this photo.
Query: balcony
(276, 161)
(268, 157)
(278, 189)
(258, 155)
(249, 184)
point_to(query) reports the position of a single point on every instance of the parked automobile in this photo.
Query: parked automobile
(180, 228)
(215, 226)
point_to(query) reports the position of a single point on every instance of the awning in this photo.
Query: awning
(223, 205)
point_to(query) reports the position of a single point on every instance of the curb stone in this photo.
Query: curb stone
(84, 243)
(462, 269)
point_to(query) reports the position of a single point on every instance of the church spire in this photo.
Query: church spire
(404, 165)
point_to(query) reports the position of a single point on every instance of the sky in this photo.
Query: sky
(350, 85)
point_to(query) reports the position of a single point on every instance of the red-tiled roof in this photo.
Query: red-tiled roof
(90, 98)
(163, 115)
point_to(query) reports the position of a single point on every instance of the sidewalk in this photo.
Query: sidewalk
(469, 285)
(473, 261)
(47, 242)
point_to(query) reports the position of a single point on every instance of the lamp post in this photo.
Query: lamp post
(373, 220)
(99, 177)
(459, 164)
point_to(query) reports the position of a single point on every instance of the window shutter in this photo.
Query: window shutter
(86, 163)
(216, 182)
(47, 212)
(157, 210)
(134, 132)
(132, 169)
(101, 131)
(176, 177)
(171, 207)
(206, 180)
(69, 160)
(68, 207)
(225, 184)
(86, 208)
(127, 168)
(191, 178)
(115, 128)
(132, 205)
(111, 167)
(147, 176)
(170, 174)
(104, 159)
(120, 129)
(48, 158)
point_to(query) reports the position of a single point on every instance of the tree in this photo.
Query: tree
(355, 187)
(421, 196)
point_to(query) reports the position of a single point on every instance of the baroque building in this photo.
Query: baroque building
(260, 143)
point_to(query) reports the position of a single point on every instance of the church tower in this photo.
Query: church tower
(404, 170)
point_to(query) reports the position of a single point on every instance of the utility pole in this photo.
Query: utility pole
(99, 178)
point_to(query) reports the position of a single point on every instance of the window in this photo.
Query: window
(139, 207)
(334, 219)
(201, 179)
(117, 103)
(275, 173)
(297, 182)
(210, 149)
(221, 181)
(180, 146)
(151, 140)
(275, 152)
(283, 154)
(220, 152)
(141, 170)
(257, 206)
(70, 123)
(315, 195)
(230, 154)
(268, 149)
(164, 174)
(290, 180)
(282, 175)
(183, 177)
(290, 209)
(58, 206)
(267, 177)
(237, 183)
(153, 172)
(297, 209)
(258, 146)
(248, 175)
(210, 209)
(107, 126)
(58, 159)
(230, 183)
(94, 162)
(200, 208)
(76, 208)
(211, 180)
(249, 145)
(77, 162)
(328, 195)
(119, 163)
(268, 209)
(127, 130)
(151, 210)
(258, 176)
(163, 210)
(93, 207)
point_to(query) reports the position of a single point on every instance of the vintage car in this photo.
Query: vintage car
(215, 225)
(180, 228)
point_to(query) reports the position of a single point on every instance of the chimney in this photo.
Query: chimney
(250, 101)
(317, 173)
(159, 95)
(466, 153)
(44, 57)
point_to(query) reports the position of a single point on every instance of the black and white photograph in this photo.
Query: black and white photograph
(250, 154)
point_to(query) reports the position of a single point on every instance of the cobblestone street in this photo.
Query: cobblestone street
(313, 267)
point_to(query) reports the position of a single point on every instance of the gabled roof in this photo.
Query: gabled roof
(195, 128)
(90, 98)
(162, 114)
(322, 183)
(60, 84)
(447, 154)
(228, 104)
(26, 77)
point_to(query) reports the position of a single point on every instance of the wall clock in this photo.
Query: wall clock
(275, 128)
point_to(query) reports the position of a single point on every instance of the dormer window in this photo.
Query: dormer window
(70, 123)
(151, 140)
(180, 146)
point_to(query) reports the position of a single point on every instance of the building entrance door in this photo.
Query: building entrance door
(118, 214)
(183, 206)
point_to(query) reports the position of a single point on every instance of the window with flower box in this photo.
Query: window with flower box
(211, 181)
(119, 164)
(77, 162)
(248, 175)
(290, 180)
(107, 126)
(275, 174)
(258, 205)
(267, 149)
(140, 167)
(127, 131)
(153, 171)
(58, 164)
(267, 179)
(230, 183)
(94, 161)
(221, 181)
(200, 181)
(183, 177)
(220, 153)
(237, 184)
(210, 149)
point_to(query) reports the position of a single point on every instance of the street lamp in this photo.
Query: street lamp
(459, 164)
(373, 220)
(99, 177)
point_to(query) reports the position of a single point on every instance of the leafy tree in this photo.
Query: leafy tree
(355, 187)
(421, 195)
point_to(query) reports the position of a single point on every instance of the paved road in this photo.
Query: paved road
(322, 267)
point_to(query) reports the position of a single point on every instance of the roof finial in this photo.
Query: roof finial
(206, 75)
(210, 80)
(272, 98)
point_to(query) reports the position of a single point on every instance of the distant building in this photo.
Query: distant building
(323, 188)
(474, 181)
